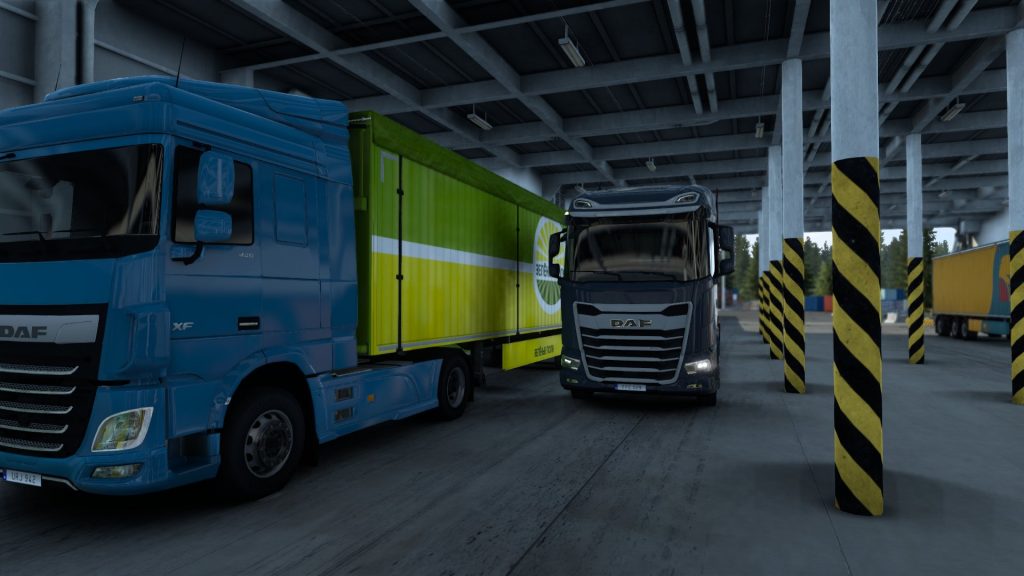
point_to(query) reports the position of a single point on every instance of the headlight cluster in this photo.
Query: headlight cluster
(570, 363)
(123, 431)
(701, 366)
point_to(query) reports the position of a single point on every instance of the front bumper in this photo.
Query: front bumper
(685, 385)
(155, 474)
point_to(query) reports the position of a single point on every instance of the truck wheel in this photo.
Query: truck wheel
(453, 387)
(955, 327)
(965, 331)
(941, 326)
(261, 444)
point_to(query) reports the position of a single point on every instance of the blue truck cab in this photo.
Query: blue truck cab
(178, 295)
(639, 299)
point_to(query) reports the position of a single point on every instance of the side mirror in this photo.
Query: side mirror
(212, 226)
(554, 242)
(726, 243)
(554, 247)
(216, 180)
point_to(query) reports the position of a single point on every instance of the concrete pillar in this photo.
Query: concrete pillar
(1015, 180)
(915, 252)
(55, 46)
(775, 250)
(856, 320)
(762, 258)
(793, 225)
(87, 47)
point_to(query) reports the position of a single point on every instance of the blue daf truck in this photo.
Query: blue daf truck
(181, 274)
(639, 299)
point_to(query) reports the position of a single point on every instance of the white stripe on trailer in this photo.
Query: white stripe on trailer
(383, 245)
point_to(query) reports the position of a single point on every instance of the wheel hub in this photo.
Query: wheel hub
(268, 443)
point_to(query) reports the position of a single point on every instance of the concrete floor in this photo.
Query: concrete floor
(532, 482)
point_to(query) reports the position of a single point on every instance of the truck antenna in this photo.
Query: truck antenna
(56, 82)
(181, 56)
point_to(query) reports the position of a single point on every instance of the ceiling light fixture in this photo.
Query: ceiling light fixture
(952, 111)
(759, 129)
(650, 164)
(571, 50)
(475, 119)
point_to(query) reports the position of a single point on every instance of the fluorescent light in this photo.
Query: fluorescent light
(650, 164)
(952, 111)
(759, 130)
(475, 119)
(570, 49)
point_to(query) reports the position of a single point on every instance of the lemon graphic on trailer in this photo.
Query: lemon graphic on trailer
(549, 296)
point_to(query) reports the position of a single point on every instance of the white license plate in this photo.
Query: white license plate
(26, 478)
(631, 387)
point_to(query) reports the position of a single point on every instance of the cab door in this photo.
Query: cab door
(215, 299)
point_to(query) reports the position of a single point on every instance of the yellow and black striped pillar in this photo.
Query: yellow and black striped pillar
(915, 309)
(857, 331)
(775, 296)
(1017, 314)
(762, 308)
(793, 284)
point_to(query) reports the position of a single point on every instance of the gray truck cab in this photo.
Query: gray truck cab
(639, 298)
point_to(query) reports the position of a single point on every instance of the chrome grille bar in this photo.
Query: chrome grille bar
(34, 408)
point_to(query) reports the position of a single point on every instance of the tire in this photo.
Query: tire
(965, 331)
(453, 387)
(956, 327)
(581, 394)
(261, 445)
(708, 399)
(942, 326)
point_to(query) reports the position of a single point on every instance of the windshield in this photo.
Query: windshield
(99, 203)
(639, 249)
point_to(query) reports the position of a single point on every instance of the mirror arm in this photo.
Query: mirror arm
(193, 258)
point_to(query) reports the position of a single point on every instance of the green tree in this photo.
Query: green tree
(931, 249)
(748, 286)
(741, 253)
(812, 265)
(894, 262)
(823, 282)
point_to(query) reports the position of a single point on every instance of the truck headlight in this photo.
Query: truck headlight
(699, 366)
(123, 431)
(570, 363)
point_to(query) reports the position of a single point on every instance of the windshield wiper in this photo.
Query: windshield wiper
(666, 274)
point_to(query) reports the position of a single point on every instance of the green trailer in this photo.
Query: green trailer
(448, 252)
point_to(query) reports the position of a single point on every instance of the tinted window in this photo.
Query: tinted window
(186, 170)
(640, 249)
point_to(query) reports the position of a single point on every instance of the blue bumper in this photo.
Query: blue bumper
(155, 473)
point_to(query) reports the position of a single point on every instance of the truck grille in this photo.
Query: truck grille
(44, 419)
(615, 347)
(47, 390)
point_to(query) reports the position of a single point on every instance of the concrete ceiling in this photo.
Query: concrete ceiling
(682, 82)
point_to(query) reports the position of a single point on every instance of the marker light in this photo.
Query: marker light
(570, 363)
(123, 431)
(581, 203)
(688, 198)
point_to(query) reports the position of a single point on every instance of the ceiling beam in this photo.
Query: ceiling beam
(418, 38)
(681, 116)
(987, 23)
(278, 15)
(675, 10)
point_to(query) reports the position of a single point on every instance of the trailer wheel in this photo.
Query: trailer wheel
(965, 331)
(453, 387)
(956, 325)
(261, 445)
(940, 326)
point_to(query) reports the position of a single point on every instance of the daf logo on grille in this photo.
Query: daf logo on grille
(631, 323)
(30, 332)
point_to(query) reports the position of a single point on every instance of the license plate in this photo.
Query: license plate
(631, 387)
(26, 478)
